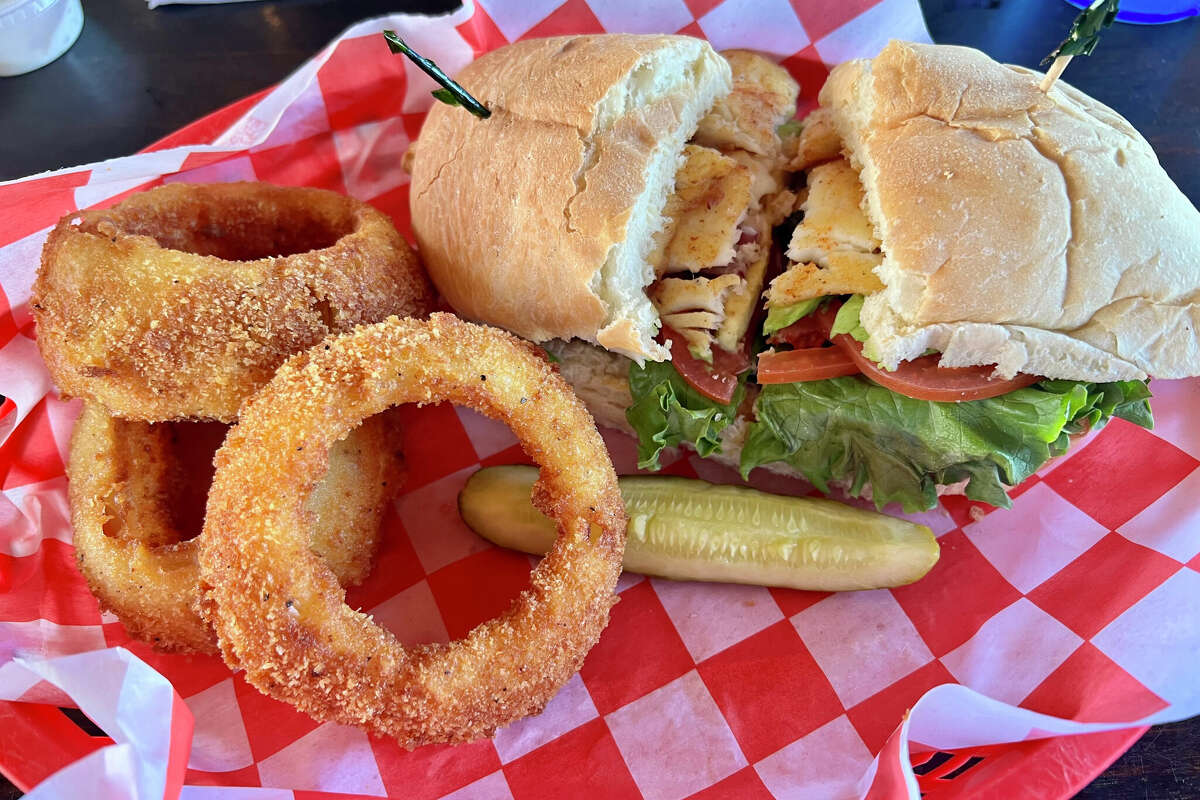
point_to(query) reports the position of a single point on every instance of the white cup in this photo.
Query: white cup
(35, 32)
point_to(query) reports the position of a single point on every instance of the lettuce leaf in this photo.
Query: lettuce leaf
(847, 319)
(856, 432)
(667, 411)
(779, 317)
(790, 129)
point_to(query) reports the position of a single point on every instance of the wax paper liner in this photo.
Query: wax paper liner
(1035, 651)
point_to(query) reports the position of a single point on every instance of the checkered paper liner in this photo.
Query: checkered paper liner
(1046, 635)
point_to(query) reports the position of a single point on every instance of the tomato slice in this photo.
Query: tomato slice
(727, 363)
(717, 382)
(923, 379)
(806, 364)
(811, 330)
(805, 332)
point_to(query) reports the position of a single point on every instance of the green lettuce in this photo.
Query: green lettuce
(666, 412)
(856, 432)
(779, 317)
(847, 319)
(790, 129)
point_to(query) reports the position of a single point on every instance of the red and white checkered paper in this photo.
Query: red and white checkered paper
(1072, 613)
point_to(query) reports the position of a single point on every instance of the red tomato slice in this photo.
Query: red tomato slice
(811, 330)
(727, 363)
(717, 382)
(805, 332)
(807, 364)
(923, 379)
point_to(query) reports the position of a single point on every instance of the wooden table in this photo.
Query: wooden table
(136, 75)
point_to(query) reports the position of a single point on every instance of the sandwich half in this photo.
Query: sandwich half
(931, 283)
(621, 181)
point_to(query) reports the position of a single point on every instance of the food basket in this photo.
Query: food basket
(1044, 642)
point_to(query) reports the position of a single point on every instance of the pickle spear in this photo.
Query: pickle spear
(693, 530)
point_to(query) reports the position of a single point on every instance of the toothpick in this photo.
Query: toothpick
(1055, 72)
(1081, 39)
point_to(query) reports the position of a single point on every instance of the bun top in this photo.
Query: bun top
(540, 218)
(1031, 230)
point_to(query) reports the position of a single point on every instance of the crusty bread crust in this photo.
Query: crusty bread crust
(519, 217)
(1030, 230)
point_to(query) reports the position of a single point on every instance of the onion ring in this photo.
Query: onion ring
(181, 301)
(132, 487)
(280, 615)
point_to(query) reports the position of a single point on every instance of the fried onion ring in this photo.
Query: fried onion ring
(181, 301)
(136, 495)
(280, 615)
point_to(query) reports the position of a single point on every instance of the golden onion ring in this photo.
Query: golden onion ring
(278, 611)
(136, 486)
(181, 301)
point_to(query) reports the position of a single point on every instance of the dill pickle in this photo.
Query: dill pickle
(692, 530)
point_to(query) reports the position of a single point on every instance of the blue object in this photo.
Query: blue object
(1151, 12)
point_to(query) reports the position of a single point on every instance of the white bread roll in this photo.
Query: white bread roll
(1030, 230)
(540, 218)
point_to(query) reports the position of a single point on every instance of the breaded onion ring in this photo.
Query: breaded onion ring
(134, 490)
(181, 301)
(280, 615)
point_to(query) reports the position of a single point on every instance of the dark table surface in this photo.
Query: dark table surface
(136, 75)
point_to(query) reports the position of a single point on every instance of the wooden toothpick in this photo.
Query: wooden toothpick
(1055, 72)
(1081, 39)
